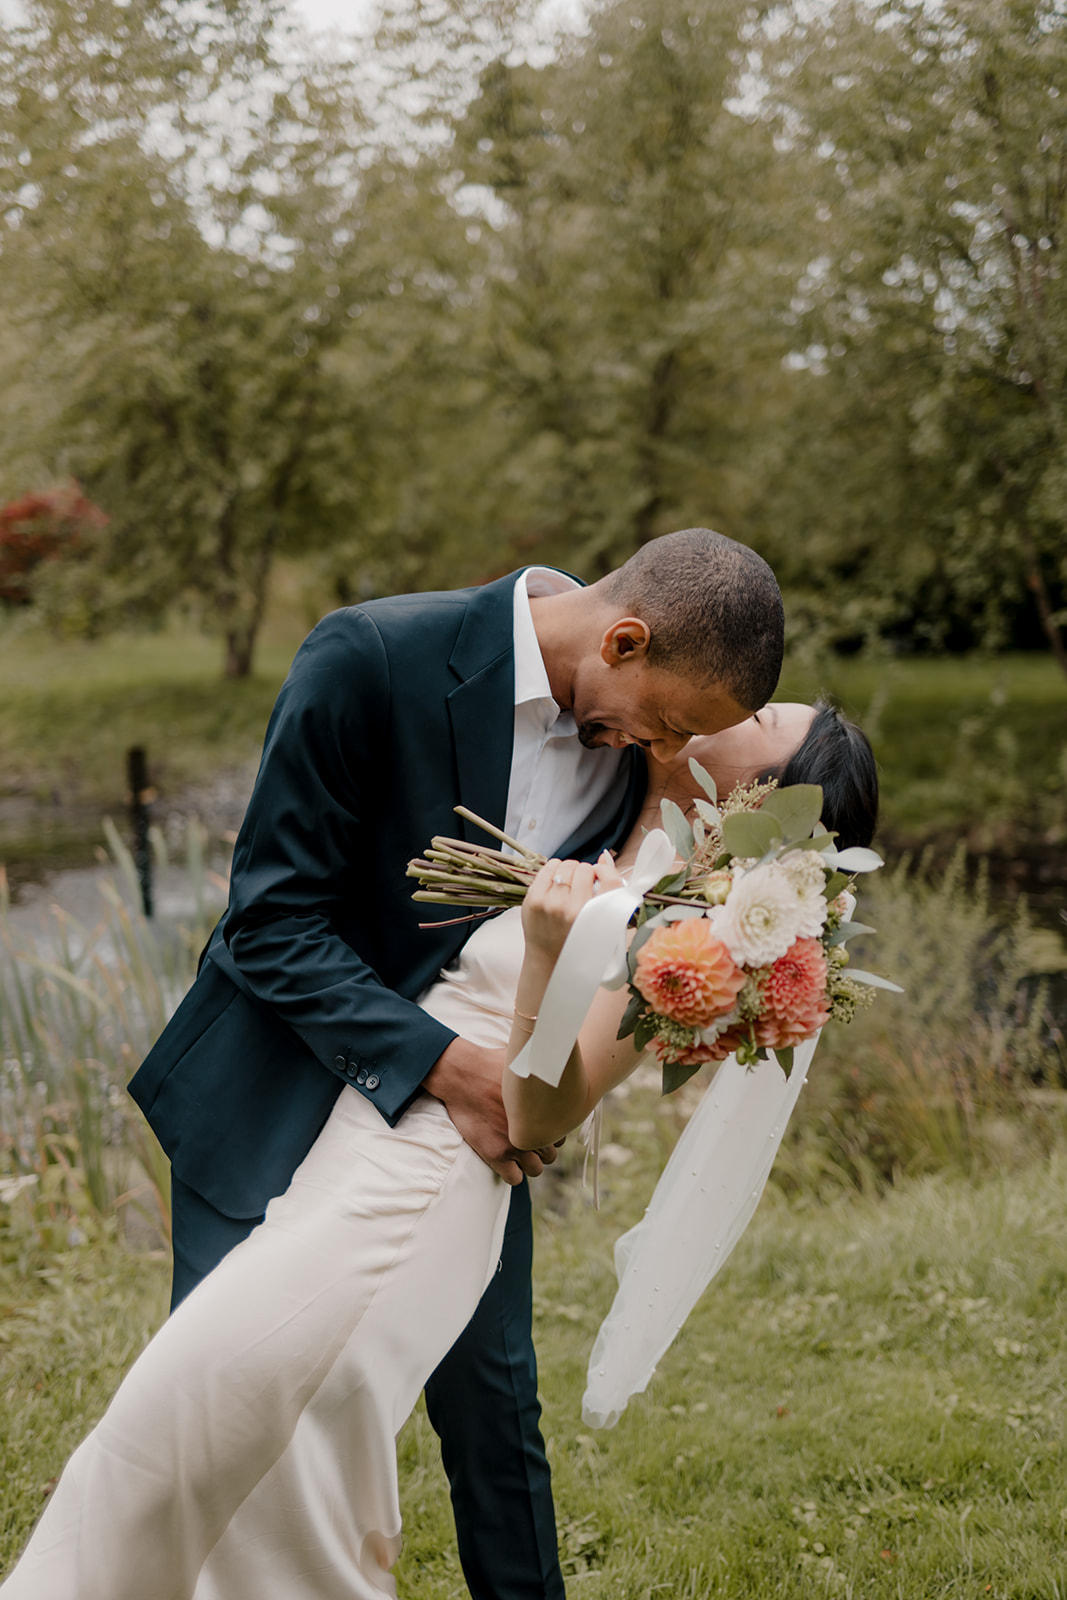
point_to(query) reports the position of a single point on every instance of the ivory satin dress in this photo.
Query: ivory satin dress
(250, 1451)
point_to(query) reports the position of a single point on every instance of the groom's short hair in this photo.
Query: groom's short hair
(714, 609)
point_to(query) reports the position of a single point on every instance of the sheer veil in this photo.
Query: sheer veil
(701, 1206)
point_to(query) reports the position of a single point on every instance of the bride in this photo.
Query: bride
(250, 1451)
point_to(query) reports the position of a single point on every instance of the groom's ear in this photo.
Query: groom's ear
(625, 641)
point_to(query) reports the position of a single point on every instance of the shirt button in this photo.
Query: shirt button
(361, 1075)
(373, 1081)
(532, 824)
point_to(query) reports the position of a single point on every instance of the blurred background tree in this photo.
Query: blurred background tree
(178, 248)
(928, 469)
(490, 293)
(643, 220)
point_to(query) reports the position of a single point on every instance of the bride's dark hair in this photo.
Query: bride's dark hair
(836, 754)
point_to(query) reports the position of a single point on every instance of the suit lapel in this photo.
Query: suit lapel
(482, 705)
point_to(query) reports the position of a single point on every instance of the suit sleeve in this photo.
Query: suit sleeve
(304, 830)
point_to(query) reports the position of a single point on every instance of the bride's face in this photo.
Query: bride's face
(740, 754)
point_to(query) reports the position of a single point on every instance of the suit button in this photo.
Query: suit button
(361, 1075)
(350, 1072)
(373, 1081)
(340, 1063)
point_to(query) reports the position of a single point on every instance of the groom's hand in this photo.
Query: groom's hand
(467, 1079)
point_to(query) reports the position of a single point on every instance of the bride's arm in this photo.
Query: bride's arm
(537, 1113)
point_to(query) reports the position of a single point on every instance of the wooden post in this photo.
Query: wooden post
(140, 796)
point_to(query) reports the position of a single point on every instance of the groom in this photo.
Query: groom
(521, 700)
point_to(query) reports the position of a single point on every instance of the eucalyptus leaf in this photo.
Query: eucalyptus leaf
(845, 931)
(643, 934)
(798, 808)
(705, 780)
(671, 884)
(819, 841)
(834, 884)
(873, 981)
(709, 813)
(677, 828)
(750, 833)
(857, 859)
(699, 834)
(675, 1073)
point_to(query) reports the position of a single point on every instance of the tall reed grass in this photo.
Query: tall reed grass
(961, 1073)
(964, 1072)
(80, 1005)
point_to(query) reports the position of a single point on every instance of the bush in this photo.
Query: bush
(961, 1073)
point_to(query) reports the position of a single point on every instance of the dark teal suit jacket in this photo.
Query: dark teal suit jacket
(393, 713)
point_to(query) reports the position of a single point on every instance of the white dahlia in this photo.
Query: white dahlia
(806, 873)
(761, 918)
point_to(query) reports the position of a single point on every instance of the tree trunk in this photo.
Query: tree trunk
(1035, 580)
(658, 413)
(240, 643)
(242, 630)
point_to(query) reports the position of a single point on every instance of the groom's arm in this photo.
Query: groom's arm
(306, 840)
(306, 826)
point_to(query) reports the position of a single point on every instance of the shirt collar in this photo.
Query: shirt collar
(531, 678)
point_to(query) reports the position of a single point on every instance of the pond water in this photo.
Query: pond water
(56, 856)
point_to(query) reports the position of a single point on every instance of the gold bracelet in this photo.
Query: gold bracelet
(525, 1015)
(520, 1024)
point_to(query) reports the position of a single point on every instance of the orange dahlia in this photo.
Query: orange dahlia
(794, 996)
(685, 973)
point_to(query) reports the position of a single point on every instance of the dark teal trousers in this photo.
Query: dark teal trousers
(482, 1402)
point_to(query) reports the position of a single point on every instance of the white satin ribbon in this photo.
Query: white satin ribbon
(594, 954)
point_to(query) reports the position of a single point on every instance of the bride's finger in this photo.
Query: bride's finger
(548, 879)
(608, 875)
(582, 881)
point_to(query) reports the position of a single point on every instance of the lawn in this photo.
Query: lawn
(870, 1401)
(964, 743)
(71, 709)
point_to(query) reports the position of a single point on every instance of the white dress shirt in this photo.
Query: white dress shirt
(556, 784)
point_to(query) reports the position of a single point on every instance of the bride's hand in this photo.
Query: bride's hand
(557, 895)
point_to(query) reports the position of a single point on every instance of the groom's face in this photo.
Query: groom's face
(620, 698)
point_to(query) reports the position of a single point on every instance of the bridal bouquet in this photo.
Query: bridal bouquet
(739, 950)
(750, 955)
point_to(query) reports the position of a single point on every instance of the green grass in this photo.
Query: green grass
(962, 742)
(869, 1402)
(70, 710)
(69, 1328)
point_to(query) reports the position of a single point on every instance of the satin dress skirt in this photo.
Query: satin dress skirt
(250, 1452)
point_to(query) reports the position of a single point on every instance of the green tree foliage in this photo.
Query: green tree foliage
(935, 306)
(177, 233)
(793, 272)
(640, 218)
